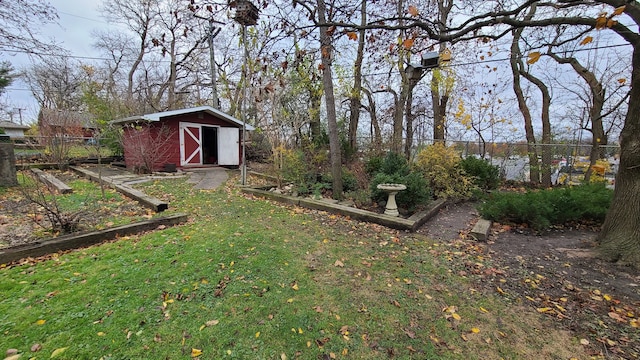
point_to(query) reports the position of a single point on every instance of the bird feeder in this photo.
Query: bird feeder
(430, 60)
(245, 13)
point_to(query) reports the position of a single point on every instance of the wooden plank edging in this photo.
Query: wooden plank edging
(74, 241)
(52, 182)
(410, 224)
(152, 203)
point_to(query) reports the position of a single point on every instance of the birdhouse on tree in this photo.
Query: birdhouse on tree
(445, 55)
(245, 12)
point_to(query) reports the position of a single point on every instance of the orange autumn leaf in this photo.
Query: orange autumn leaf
(408, 43)
(622, 81)
(619, 10)
(611, 23)
(533, 57)
(601, 21)
(352, 35)
(586, 40)
(413, 10)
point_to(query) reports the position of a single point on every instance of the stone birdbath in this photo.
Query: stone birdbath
(392, 190)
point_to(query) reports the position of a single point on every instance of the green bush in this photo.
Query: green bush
(544, 208)
(416, 194)
(349, 180)
(373, 165)
(394, 163)
(484, 175)
(440, 165)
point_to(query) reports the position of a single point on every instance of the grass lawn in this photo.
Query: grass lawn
(251, 279)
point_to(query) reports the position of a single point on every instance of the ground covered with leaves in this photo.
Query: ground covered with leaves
(249, 278)
(555, 273)
(22, 221)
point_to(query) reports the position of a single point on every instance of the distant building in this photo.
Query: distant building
(15, 131)
(55, 123)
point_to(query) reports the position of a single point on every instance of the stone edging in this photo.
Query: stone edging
(410, 224)
(74, 241)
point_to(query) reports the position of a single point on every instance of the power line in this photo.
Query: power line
(370, 74)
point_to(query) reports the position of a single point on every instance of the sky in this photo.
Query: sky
(77, 19)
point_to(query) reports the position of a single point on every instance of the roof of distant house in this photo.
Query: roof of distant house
(159, 115)
(12, 125)
(57, 117)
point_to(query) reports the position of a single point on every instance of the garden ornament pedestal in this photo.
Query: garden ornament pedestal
(392, 190)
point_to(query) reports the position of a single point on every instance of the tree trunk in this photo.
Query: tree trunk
(439, 100)
(516, 65)
(546, 127)
(410, 117)
(376, 133)
(356, 94)
(619, 239)
(326, 50)
(595, 112)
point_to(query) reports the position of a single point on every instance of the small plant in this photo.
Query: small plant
(483, 174)
(44, 205)
(544, 208)
(395, 169)
(440, 165)
(349, 180)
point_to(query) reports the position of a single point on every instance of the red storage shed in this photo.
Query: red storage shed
(193, 137)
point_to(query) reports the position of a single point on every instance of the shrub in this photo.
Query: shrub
(483, 174)
(373, 165)
(543, 208)
(416, 194)
(349, 180)
(440, 165)
(394, 163)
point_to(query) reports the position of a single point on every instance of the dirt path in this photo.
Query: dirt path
(557, 274)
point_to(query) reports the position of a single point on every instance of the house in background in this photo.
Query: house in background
(66, 123)
(192, 137)
(15, 131)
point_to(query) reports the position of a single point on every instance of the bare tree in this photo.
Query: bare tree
(146, 145)
(20, 25)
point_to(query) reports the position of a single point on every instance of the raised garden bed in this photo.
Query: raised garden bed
(411, 224)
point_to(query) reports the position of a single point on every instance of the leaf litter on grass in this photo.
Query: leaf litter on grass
(275, 276)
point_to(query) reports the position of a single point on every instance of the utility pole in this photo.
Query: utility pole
(213, 32)
(20, 114)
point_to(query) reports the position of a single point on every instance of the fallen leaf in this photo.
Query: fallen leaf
(41, 322)
(616, 316)
(456, 316)
(544, 309)
(584, 342)
(283, 356)
(36, 347)
(212, 322)
(338, 263)
(295, 287)
(57, 352)
(100, 333)
(475, 330)
(196, 352)
(13, 357)
(413, 10)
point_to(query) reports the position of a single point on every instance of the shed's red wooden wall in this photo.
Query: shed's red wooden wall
(171, 154)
